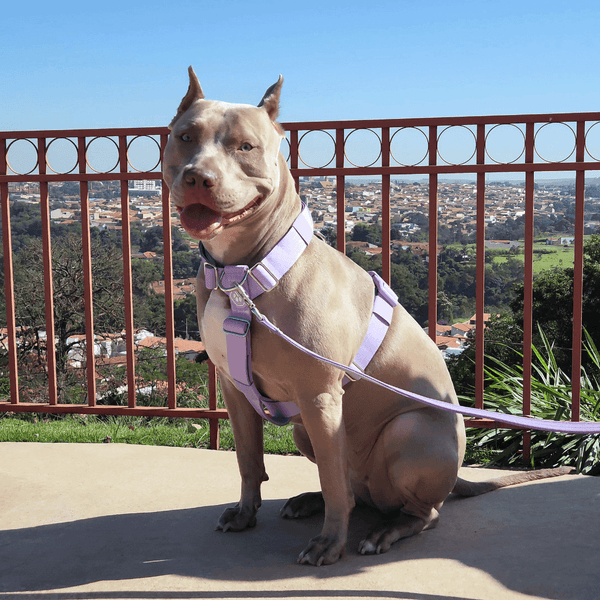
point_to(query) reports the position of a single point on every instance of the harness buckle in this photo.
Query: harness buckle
(236, 326)
(268, 272)
(211, 276)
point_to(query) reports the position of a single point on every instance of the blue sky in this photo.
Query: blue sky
(119, 63)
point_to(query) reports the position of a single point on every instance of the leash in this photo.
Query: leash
(568, 427)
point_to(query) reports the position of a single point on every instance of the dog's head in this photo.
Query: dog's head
(221, 160)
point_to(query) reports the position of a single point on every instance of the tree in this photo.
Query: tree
(552, 313)
(186, 318)
(69, 303)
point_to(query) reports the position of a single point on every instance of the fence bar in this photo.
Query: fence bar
(441, 121)
(127, 277)
(528, 284)
(9, 292)
(433, 235)
(294, 158)
(86, 248)
(470, 169)
(48, 285)
(480, 273)
(169, 308)
(578, 275)
(386, 228)
(340, 194)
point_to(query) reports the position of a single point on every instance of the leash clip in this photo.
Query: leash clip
(247, 300)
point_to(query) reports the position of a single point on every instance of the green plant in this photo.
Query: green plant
(551, 393)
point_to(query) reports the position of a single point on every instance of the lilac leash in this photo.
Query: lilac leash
(570, 427)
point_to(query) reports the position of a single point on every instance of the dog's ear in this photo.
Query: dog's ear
(270, 101)
(194, 93)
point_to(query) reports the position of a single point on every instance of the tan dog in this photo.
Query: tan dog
(235, 194)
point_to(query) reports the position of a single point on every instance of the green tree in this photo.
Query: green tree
(69, 302)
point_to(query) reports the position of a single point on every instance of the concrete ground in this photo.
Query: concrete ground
(115, 522)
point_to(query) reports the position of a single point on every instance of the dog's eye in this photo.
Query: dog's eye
(246, 147)
(186, 137)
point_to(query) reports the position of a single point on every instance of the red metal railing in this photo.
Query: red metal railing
(433, 163)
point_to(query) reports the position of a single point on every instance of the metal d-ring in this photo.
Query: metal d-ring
(236, 286)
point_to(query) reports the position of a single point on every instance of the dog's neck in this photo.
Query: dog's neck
(248, 242)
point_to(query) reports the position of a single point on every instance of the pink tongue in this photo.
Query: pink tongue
(195, 218)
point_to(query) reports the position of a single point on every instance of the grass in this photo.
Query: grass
(84, 429)
(181, 433)
(544, 257)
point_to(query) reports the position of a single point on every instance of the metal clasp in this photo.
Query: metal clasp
(269, 272)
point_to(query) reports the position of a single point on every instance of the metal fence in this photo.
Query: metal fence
(475, 147)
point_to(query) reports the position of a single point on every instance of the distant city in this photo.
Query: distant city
(554, 205)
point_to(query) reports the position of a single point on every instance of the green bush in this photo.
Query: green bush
(551, 393)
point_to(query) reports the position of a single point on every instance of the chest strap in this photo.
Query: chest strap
(263, 277)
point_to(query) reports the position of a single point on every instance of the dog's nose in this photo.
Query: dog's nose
(193, 178)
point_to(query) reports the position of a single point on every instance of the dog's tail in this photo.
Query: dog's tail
(475, 488)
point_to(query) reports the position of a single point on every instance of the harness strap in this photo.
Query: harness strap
(238, 281)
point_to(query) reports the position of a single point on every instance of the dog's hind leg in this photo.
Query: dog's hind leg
(412, 469)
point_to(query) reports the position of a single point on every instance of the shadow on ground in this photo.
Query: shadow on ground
(540, 540)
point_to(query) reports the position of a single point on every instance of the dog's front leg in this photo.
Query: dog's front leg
(248, 434)
(323, 420)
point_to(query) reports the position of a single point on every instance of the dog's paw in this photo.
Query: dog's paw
(236, 519)
(304, 505)
(381, 538)
(370, 547)
(322, 550)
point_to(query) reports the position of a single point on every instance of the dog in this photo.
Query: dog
(235, 194)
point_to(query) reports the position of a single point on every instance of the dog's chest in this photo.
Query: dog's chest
(217, 309)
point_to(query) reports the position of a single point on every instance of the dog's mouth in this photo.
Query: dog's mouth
(204, 223)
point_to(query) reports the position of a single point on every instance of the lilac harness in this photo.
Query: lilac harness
(238, 281)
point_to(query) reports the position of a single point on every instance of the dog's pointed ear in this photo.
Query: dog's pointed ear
(194, 93)
(270, 101)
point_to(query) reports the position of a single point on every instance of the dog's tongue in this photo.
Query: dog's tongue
(197, 218)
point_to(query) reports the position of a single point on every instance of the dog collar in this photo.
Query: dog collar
(264, 275)
(242, 284)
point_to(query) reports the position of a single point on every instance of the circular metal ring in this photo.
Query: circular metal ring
(87, 147)
(440, 137)
(157, 145)
(37, 158)
(586, 137)
(289, 148)
(236, 286)
(555, 123)
(76, 156)
(424, 155)
(300, 142)
(380, 145)
(498, 162)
